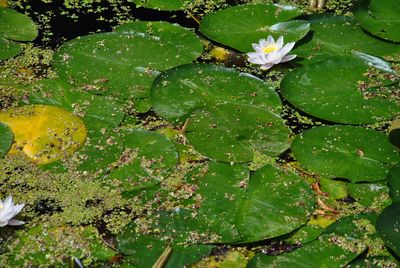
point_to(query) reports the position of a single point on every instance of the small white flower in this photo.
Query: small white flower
(8, 212)
(268, 52)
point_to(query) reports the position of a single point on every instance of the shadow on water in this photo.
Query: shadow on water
(68, 23)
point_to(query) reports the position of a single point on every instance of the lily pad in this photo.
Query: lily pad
(144, 250)
(16, 26)
(147, 159)
(169, 5)
(89, 107)
(9, 49)
(319, 253)
(256, 22)
(380, 18)
(222, 191)
(184, 39)
(339, 245)
(124, 64)
(44, 133)
(388, 225)
(366, 193)
(393, 182)
(179, 91)
(276, 203)
(305, 234)
(350, 152)
(102, 148)
(232, 133)
(6, 139)
(358, 97)
(331, 34)
(394, 132)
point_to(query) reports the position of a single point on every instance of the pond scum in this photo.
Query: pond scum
(99, 217)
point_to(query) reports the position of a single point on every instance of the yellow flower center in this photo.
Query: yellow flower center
(1, 206)
(270, 48)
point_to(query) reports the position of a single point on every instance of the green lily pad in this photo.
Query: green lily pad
(16, 26)
(357, 226)
(350, 152)
(90, 107)
(103, 146)
(276, 203)
(169, 5)
(214, 208)
(394, 132)
(380, 18)
(334, 189)
(339, 245)
(179, 91)
(360, 96)
(221, 191)
(184, 39)
(232, 133)
(373, 262)
(147, 159)
(388, 225)
(256, 22)
(6, 139)
(393, 182)
(123, 64)
(9, 49)
(366, 193)
(331, 34)
(305, 234)
(319, 253)
(144, 250)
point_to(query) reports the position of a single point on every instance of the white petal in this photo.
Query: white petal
(252, 54)
(5, 214)
(266, 66)
(7, 202)
(270, 39)
(286, 49)
(2, 224)
(262, 43)
(17, 209)
(274, 57)
(256, 47)
(279, 42)
(256, 60)
(288, 58)
(15, 222)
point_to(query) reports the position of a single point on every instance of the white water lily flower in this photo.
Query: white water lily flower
(8, 212)
(268, 52)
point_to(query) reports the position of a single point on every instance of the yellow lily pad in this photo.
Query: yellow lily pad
(44, 133)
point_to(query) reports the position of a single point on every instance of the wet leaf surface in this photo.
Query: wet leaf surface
(352, 99)
(331, 35)
(257, 21)
(6, 139)
(388, 225)
(350, 152)
(236, 131)
(380, 18)
(179, 91)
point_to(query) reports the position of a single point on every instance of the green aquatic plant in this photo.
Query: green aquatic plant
(185, 157)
